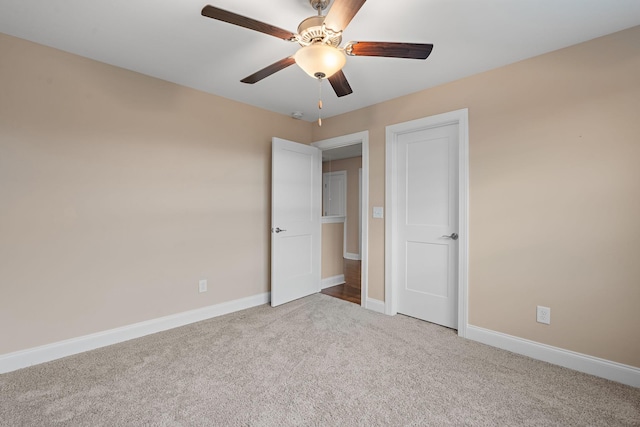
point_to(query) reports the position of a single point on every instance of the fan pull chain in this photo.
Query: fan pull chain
(319, 102)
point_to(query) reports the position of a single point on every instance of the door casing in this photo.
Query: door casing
(461, 119)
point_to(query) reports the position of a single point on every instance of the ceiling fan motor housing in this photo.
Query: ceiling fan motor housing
(311, 31)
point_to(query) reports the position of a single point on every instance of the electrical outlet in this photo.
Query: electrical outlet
(202, 285)
(543, 315)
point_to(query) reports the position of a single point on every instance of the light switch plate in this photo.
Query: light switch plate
(378, 212)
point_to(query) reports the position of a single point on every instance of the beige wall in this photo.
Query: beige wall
(118, 192)
(351, 166)
(554, 192)
(332, 243)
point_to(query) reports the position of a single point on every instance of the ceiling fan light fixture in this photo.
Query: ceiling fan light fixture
(320, 61)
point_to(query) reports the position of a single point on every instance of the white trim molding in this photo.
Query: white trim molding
(603, 368)
(461, 118)
(46, 353)
(375, 305)
(332, 281)
(333, 219)
(352, 257)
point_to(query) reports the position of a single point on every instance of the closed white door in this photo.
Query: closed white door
(295, 221)
(427, 224)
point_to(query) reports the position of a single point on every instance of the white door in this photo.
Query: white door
(427, 223)
(295, 221)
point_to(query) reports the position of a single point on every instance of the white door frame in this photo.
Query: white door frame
(360, 207)
(461, 118)
(343, 141)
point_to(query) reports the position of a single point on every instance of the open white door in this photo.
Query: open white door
(296, 205)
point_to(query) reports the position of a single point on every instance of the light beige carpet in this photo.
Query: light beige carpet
(317, 361)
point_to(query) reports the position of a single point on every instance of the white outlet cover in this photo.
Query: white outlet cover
(378, 212)
(543, 315)
(202, 285)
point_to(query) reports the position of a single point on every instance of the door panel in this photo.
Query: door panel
(427, 201)
(300, 250)
(427, 168)
(424, 268)
(295, 221)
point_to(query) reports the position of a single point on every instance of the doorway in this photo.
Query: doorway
(344, 236)
(341, 217)
(426, 226)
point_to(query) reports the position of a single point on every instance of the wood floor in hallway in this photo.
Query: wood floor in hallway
(350, 290)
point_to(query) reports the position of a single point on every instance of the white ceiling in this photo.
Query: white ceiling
(169, 39)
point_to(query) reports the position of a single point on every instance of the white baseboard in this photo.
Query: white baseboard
(375, 305)
(332, 281)
(603, 368)
(352, 257)
(33, 356)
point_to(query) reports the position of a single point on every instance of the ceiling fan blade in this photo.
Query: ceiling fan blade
(267, 71)
(341, 13)
(390, 50)
(242, 21)
(340, 84)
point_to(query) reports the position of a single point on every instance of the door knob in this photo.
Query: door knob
(453, 236)
(278, 230)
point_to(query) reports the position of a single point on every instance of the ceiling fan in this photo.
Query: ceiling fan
(320, 36)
